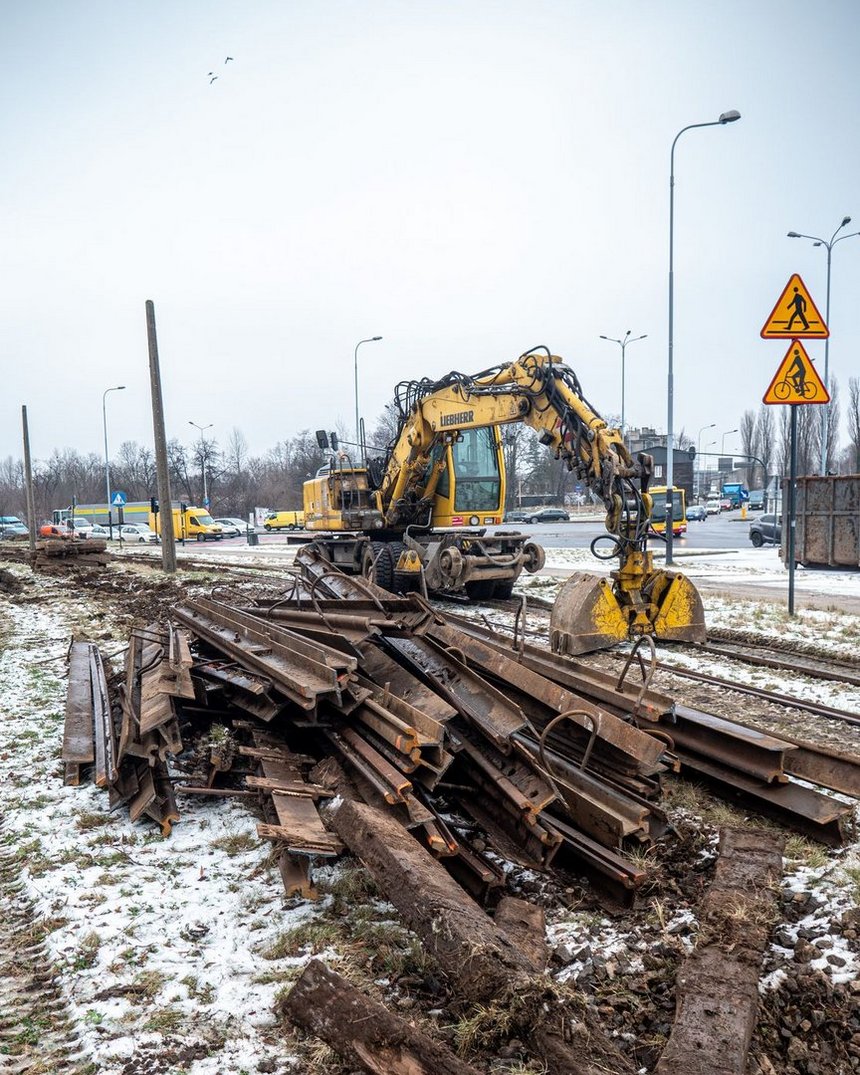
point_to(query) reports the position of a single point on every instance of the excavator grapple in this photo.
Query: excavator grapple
(590, 614)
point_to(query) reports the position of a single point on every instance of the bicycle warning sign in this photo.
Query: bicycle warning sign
(796, 380)
(795, 316)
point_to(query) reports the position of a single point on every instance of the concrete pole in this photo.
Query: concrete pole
(165, 503)
(28, 481)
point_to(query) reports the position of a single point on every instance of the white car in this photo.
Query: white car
(232, 527)
(137, 532)
(713, 506)
(81, 528)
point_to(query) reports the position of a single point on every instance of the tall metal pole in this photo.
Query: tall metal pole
(828, 245)
(28, 482)
(623, 344)
(370, 339)
(726, 117)
(792, 508)
(119, 388)
(165, 513)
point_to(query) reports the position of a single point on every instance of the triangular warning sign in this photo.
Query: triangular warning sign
(796, 380)
(795, 316)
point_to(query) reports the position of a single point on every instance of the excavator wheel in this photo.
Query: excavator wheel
(480, 589)
(377, 564)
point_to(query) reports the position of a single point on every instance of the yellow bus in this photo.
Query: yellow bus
(658, 510)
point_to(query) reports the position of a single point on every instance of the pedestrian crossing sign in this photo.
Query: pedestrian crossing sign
(796, 380)
(795, 316)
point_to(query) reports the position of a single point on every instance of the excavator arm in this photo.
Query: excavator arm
(541, 391)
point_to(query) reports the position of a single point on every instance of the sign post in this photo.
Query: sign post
(796, 383)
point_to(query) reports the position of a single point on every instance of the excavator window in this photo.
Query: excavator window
(476, 471)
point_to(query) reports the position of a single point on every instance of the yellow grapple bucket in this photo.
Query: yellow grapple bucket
(588, 616)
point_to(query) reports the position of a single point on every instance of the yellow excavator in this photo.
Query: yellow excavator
(417, 517)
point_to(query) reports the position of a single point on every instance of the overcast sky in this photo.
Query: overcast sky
(465, 179)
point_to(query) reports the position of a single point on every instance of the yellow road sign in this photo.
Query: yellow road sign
(795, 316)
(796, 380)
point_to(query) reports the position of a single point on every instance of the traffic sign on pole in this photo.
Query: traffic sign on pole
(118, 499)
(796, 381)
(795, 316)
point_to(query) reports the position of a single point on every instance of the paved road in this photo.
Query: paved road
(726, 531)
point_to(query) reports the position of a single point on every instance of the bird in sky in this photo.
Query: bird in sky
(229, 58)
(213, 79)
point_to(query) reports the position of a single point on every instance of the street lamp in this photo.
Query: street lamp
(712, 425)
(203, 459)
(727, 433)
(370, 339)
(825, 415)
(726, 117)
(119, 388)
(622, 344)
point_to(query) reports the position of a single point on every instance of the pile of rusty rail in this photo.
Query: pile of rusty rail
(770, 773)
(401, 709)
(127, 733)
(57, 554)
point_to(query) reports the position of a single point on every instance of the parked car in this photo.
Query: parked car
(232, 527)
(81, 528)
(138, 532)
(712, 506)
(697, 513)
(766, 530)
(549, 515)
(726, 504)
(13, 530)
(516, 516)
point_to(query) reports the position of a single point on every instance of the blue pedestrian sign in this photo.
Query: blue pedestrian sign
(118, 500)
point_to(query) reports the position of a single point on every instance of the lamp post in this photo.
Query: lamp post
(712, 425)
(203, 459)
(119, 388)
(828, 244)
(726, 117)
(727, 433)
(370, 339)
(622, 343)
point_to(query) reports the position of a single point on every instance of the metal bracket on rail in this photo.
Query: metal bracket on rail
(519, 644)
(647, 674)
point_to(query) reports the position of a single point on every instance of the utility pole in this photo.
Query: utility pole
(168, 549)
(28, 480)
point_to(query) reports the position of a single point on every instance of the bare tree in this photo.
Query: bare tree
(749, 443)
(854, 423)
(765, 438)
(236, 452)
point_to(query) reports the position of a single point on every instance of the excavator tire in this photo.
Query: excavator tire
(377, 560)
(480, 589)
(503, 591)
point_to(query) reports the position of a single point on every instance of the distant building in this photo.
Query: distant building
(682, 477)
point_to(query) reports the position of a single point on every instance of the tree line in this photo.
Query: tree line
(237, 481)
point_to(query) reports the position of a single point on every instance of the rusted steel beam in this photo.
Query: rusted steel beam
(105, 772)
(303, 671)
(716, 997)
(78, 745)
(582, 680)
(801, 808)
(748, 750)
(609, 871)
(363, 1031)
(471, 695)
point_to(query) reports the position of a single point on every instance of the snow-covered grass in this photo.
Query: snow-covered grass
(157, 942)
